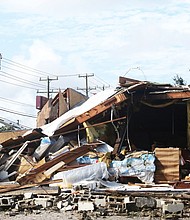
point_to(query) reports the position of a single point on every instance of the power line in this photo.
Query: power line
(17, 84)
(103, 87)
(16, 102)
(31, 69)
(19, 65)
(19, 79)
(68, 75)
(6, 67)
(16, 113)
(104, 82)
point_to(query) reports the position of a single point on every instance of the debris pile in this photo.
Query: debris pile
(120, 151)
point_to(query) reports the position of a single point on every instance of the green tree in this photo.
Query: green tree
(6, 128)
(178, 80)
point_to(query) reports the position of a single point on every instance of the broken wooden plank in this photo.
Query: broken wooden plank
(28, 186)
(36, 175)
(41, 190)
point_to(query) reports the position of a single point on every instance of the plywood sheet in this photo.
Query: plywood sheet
(167, 164)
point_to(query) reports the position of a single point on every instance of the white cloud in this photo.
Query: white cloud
(104, 37)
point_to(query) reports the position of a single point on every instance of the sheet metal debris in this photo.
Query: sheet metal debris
(120, 151)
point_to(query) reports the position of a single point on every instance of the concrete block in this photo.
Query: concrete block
(28, 195)
(85, 206)
(25, 204)
(117, 207)
(159, 203)
(6, 201)
(100, 202)
(142, 202)
(44, 202)
(115, 199)
(127, 200)
(173, 207)
(59, 205)
(68, 208)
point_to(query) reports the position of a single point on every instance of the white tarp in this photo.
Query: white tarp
(93, 101)
(90, 172)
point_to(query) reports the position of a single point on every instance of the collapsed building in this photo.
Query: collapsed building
(132, 141)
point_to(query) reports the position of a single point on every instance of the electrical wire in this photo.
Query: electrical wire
(16, 102)
(19, 65)
(16, 112)
(102, 80)
(17, 84)
(19, 79)
(68, 75)
(27, 68)
(6, 67)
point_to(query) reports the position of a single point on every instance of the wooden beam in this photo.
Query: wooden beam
(73, 123)
(168, 95)
(42, 190)
(115, 100)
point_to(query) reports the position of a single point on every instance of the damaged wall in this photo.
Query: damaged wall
(166, 127)
(44, 114)
(60, 104)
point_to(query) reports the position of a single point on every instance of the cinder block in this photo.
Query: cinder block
(115, 199)
(173, 207)
(127, 200)
(6, 201)
(25, 204)
(44, 202)
(85, 206)
(28, 195)
(117, 207)
(142, 202)
(100, 202)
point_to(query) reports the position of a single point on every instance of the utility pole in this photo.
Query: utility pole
(86, 78)
(48, 84)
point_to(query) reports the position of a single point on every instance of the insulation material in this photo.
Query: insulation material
(141, 166)
(167, 164)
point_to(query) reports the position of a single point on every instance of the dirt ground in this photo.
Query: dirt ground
(75, 215)
(46, 215)
(49, 215)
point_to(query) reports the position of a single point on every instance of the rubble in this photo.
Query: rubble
(120, 151)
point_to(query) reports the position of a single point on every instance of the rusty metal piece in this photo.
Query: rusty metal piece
(36, 174)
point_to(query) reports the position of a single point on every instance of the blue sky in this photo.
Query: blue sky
(107, 38)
